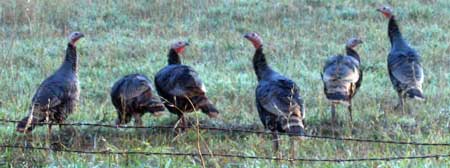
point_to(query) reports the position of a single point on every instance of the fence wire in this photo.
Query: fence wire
(247, 131)
(239, 156)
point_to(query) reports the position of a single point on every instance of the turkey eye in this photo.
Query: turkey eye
(253, 34)
(179, 43)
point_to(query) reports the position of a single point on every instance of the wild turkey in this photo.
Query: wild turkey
(181, 88)
(405, 69)
(132, 96)
(342, 78)
(58, 95)
(278, 100)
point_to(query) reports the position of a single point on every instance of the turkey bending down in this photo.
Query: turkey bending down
(58, 95)
(405, 69)
(342, 78)
(132, 96)
(278, 100)
(181, 88)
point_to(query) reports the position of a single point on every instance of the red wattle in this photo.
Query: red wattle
(179, 50)
(256, 44)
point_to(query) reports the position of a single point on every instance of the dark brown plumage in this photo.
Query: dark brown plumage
(278, 99)
(133, 96)
(181, 88)
(57, 95)
(342, 77)
(404, 63)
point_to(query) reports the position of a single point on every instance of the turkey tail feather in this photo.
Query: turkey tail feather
(337, 96)
(415, 93)
(294, 126)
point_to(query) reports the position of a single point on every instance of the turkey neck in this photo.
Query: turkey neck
(71, 59)
(395, 36)
(260, 64)
(174, 58)
(351, 52)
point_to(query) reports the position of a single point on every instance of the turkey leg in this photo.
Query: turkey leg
(276, 144)
(293, 147)
(333, 114)
(137, 119)
(350, 111)
(401, 102)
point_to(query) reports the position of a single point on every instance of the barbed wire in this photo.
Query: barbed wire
(231, 130)
(107, 152)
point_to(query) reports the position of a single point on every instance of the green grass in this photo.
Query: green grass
(128, 37)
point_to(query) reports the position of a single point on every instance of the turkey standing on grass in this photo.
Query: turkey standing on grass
(342, 78)
(57, 96)
(132, 96)
(181, 88)
(405, 69)
(278, 100)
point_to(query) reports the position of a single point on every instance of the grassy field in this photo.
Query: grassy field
(133, 37)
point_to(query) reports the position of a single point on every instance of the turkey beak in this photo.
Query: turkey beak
(79, 37)
(246, 36)
(186, 44)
